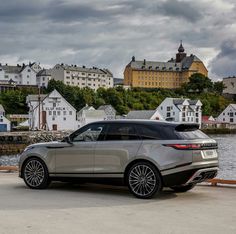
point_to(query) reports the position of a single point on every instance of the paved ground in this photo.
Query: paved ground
(66, 208)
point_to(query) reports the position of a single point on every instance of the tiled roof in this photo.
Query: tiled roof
(141, 114)
(95, 114)
(35, 97)
(171, 65)
(44, 72)
(85, 69)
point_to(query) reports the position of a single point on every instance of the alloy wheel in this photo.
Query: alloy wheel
(34, 173)
(143, 181)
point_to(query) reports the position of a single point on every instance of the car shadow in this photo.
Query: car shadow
(61, 195)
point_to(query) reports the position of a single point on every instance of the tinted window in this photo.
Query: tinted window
(197, 134)
(156, 132)
(121, 132)
(92, 132)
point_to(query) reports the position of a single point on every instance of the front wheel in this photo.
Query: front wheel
(144, 180)
(183, 188)
(35, 174)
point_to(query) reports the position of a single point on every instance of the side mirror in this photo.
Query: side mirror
(68, 140)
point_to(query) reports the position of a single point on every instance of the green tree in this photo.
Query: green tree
(219, 87)
(198, 83)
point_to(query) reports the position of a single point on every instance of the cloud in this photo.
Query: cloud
(224, 64)
(107, 33)
(182, 9)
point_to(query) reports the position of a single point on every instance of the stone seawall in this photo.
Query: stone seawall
(15, 142)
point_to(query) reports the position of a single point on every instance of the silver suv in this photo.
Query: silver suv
(144, 155)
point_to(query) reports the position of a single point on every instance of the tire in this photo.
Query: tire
(183, 188)
(144, 180)
(35, 174)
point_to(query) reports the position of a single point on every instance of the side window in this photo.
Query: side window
(121, 132)
(149, 133)
(155, 132)
(92, 132)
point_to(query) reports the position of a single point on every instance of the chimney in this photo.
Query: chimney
(133, 59)
(144, 62)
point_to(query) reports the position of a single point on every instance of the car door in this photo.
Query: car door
(78, 157)
(120, 143)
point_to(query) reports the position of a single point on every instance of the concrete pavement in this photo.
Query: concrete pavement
(67, 208)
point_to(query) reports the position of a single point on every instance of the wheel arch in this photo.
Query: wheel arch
(137, 161)
(28, 158)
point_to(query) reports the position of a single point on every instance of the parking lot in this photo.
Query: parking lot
(68, 208)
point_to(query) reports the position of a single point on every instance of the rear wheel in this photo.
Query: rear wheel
(183, 188)
(35, 174)
(144, 180)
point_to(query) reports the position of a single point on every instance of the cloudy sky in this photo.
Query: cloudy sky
(106, 33)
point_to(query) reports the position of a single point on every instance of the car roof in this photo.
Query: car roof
(138, 121)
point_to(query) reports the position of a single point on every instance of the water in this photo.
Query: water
(227, 156)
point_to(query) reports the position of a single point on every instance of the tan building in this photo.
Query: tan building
(171, 74)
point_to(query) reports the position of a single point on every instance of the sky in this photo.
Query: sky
(107, 33)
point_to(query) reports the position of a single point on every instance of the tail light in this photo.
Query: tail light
(193, 146)
(184, 146)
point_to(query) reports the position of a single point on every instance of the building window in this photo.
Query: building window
(168, 114)
(231, 120)
(70, 112)
(54, 104)
(54, 112)
(53, 118)
(64, 118)
(168, 108)
(58, 112)
(50, 112)
(64, 112)
(29, 70)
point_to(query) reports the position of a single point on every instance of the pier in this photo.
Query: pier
(107, 209)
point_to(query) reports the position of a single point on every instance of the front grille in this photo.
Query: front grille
(206, 175)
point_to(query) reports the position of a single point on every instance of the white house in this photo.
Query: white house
(20, 74)
(5, 124)
(74, 75)
(51, 112)
(109, 111)
(145, 114)
(43, 77)
(181, 110)
(228, 115)
(88, 114)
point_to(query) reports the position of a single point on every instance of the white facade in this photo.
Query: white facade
(145, 114)
(181, 110)
(230, 84)
(55, 112)
(228, 115)
(20, 74)
(109, 111)
(5, 124)
(43, 77)
(82, 76)
(88, 114)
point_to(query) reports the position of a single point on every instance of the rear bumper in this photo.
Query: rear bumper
(192, 176)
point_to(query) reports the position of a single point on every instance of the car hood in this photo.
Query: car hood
(52, 144)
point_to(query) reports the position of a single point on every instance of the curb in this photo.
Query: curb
(8, 168)
(215, 182)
